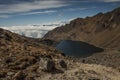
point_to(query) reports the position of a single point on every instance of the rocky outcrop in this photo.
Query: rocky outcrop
(49, 65)
(63, 64)
(108, 58)
(101, 30)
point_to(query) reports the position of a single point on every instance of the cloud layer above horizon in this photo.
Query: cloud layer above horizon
(34, 31)
(30, 30)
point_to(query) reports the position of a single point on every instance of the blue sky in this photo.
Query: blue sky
(24, 12)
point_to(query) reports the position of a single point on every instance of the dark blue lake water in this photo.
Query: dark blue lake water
(77, 48)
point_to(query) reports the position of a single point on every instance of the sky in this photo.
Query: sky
(32, 12)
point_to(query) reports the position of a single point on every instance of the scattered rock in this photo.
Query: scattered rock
(23, 65)
(93, 78)
(48, 64)
(19, 76)
(63, 64)
(10, 73)
(29, 78)
(2, 74)
(83, 61)
(8, 60)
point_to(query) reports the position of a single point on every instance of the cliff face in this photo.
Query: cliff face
(101, 30)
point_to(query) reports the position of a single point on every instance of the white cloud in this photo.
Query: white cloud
(30, 30)
(82, 8)
(39, 12)
(110, 0)
(4, 16)
(35, 31)
(30, 6)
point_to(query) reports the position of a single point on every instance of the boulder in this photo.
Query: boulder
(10, 73)
(19, 76)
(47, 64)
(63, 64)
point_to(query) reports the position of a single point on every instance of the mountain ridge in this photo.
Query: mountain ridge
(96, 30)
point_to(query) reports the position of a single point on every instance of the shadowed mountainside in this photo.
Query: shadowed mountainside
(78, 49)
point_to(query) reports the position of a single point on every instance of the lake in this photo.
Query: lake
(77, 49)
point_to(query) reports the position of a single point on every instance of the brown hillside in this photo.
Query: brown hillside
(101, 30)
(23, 58)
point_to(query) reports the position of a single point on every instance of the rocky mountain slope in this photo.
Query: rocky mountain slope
(17, 53)
(23, 58)
(101, 30)
(108, 58)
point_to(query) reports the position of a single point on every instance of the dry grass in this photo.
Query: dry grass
(80, 71)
